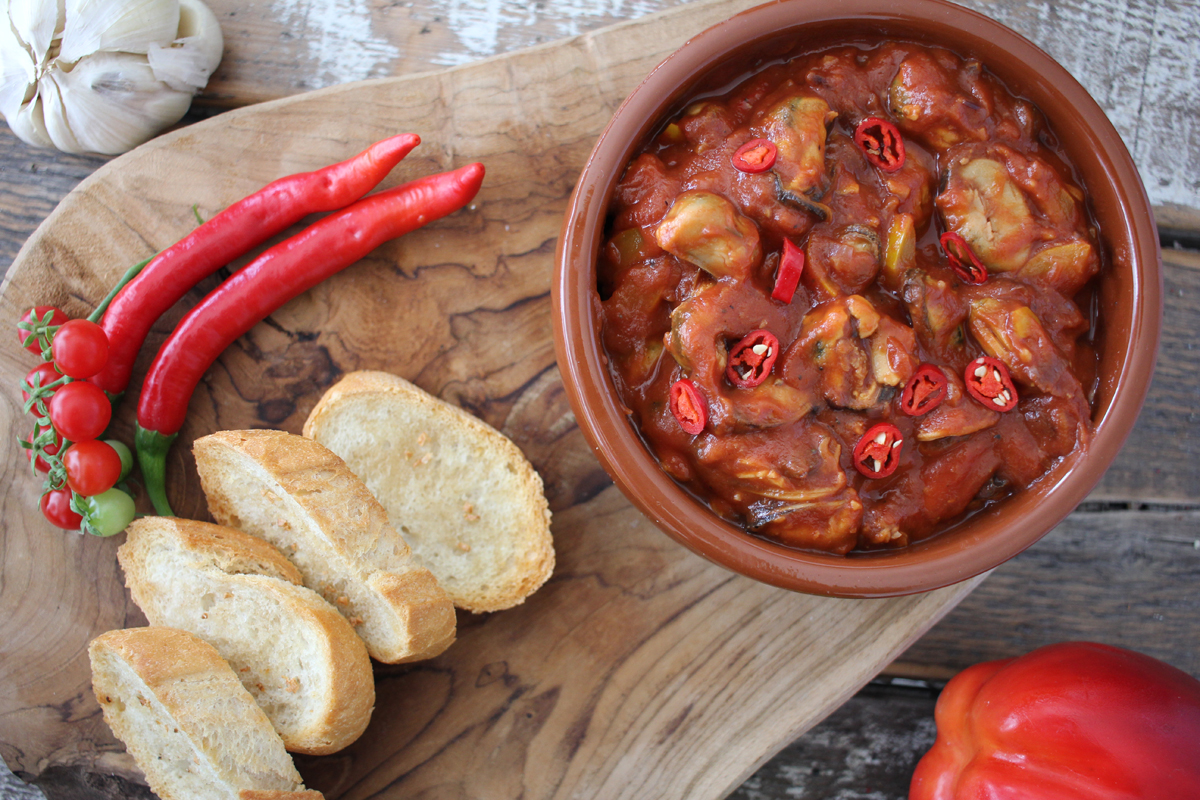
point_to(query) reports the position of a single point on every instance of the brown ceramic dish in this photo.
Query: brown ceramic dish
(1130, 292)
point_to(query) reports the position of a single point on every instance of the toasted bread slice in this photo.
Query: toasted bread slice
(302, 498)
(295, 654)
(185, 718)
(467, 500)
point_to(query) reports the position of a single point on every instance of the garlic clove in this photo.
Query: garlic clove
(17, 75)
(29, 124)
(127, 26)
(186, 64)
(35, 23)
(112, 102)
(54, 115)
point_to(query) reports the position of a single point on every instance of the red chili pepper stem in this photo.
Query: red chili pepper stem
(130, 274)
(151, 448)
(284, 271)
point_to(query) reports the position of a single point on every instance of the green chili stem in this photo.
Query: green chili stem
(129, 275)
(152, 447)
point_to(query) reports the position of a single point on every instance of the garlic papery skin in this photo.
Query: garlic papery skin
(102, 76)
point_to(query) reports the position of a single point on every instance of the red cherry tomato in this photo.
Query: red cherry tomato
(92, 467)
(80, 411)
(689, 406)
(80, 348)
(46, 374)
(28, 336)
(56, 508)
(50, 449)
(756, 155)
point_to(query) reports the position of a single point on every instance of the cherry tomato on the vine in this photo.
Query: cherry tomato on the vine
(92, 467)
(126, 457)
(108, 513)
(80, 348)
(45, 374)
(51, 450)
(80, 411)
(27, 337)
(56, 508)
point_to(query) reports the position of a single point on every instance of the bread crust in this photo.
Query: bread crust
(534, 552)
(201, 695)
(220, 556)
(349, 522)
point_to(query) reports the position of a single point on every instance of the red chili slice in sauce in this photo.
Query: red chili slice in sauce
(962, 258)
(751, 359)
(882, 143)
(877, 453)
(756, 155)
(787, 277)
(689, 406)
(988, 382)
(924, 392)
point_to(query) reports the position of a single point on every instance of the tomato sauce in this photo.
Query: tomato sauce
(850, 165)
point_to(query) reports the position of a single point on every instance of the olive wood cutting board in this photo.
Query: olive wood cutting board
(639, 670)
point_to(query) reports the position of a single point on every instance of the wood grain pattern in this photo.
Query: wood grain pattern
(635, 666)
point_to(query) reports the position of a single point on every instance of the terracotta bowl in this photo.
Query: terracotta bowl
(1130, 292)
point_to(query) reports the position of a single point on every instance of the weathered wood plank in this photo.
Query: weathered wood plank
(1124, 578)
(1160, 462)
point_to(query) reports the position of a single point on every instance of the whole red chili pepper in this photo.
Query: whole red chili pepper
(787, 277)
(962, 258)
(924, 392)
(689, 406)
(751, 359)
(258, 289)
(882, 143)
(756, 155)
(877, 453)
(988, 382)
(247, 223)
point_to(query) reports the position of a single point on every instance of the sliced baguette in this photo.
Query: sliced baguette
(302, 498)
(298, 657)
(467, 500)
(185, 718)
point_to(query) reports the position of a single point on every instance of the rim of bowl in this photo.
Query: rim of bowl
(1130, 297)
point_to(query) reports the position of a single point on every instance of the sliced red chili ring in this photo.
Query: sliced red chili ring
(877, 453)
(924, 392)
(787, 277)
(756, 155)
(988, 382)
(962, 258)
(689, 406)
(751, 359)
(882, 143)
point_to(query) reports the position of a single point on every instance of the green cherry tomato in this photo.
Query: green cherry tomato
(107, 513)
(126, 457)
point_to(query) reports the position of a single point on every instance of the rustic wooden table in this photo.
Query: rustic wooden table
(1122, 569)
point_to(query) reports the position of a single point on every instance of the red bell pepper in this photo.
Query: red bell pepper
(1072, 721)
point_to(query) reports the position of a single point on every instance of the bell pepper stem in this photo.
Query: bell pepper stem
(152, 448)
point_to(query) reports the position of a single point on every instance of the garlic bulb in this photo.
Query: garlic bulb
(102, 76)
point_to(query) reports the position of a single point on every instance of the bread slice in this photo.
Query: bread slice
(185, 718)
(302, 498)
(467, 500)
(298, 657)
